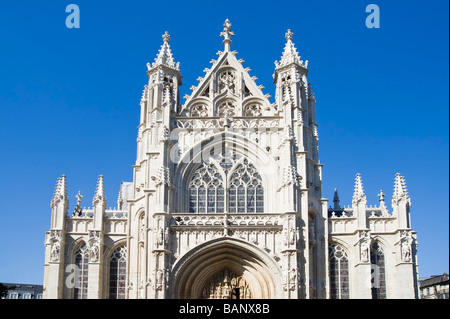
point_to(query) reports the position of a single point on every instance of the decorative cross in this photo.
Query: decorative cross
(381, 195)
(79, 197)
(227, 33)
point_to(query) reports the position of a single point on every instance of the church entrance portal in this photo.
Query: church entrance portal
(214, 269)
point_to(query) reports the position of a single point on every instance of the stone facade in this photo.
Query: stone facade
(227, 193)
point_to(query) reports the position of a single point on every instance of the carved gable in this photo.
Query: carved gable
(227, 90)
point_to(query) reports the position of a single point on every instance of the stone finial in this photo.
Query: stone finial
(289, 35)
(78, 210)
(381, 195)
(166, 37)
(227, 34)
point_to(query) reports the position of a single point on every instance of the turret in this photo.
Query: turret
(162, 91)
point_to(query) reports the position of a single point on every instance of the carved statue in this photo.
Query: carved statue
(364, 250)
(54, 255)
(406, 251)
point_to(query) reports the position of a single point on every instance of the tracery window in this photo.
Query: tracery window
(339, 273)
(378, 276)
(245, 193)
(226, 109)
(82, 265)
(253, 110)
(199, 110)
(206, 191)
(117, 273)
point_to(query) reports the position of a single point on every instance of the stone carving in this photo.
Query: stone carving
(227, 81)
(220, 286)
(405, 246)
(95, 241)
(291, 279)
(55, 250)
(364, 246)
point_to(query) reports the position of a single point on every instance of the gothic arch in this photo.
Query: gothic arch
(72, 247)
(195, 269)
(263, 163)
(108, 250)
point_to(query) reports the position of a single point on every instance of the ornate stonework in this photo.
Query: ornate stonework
(226, 201)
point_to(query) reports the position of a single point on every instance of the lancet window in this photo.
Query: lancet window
(378, 277)
(117, 273)
(339, 273)
(82, 264)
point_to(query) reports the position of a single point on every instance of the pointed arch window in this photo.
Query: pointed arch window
(378, 276)
(117, 273)
(80, 291)
(206, 191)
(339, 273)
(245, 193)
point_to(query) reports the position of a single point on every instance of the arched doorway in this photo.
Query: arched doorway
(212, 269)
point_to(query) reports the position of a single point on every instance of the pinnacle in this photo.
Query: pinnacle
(400, 190)
(99, 192)
(165, 56)
(290, 54)
(358, 193)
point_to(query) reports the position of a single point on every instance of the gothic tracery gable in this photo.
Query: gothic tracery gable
(225, 79)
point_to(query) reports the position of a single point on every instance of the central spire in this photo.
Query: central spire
(227, 34)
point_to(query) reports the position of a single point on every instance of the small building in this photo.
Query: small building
(23, 291)
(434, 287)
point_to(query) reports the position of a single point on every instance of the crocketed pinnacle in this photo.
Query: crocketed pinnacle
(290, 54)
(60, 193)
(99, 192)
(358, 193)
(400, 190)
(165, 56)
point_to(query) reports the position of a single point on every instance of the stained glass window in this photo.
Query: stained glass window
(378, 276)
(117, 273)
(339, 273)
(246, 194)
(207, 189)
(82, 264)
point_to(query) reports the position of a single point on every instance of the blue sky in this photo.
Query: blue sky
(69, 100)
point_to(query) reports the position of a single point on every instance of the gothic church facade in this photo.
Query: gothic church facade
(226, 201)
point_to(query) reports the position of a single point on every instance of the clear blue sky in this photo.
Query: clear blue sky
(69, 100)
